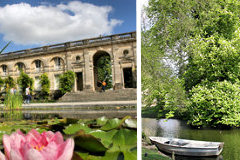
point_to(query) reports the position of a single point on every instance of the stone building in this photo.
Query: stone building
(78, 56)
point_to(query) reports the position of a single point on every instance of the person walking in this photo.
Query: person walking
(104, 84)
(12, 90)
(28, 95)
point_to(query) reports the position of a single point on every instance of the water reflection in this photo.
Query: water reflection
(169, 128)
(179, 129)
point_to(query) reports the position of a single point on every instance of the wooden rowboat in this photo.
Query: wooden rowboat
(187, 147)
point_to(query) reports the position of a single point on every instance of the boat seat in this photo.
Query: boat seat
(176, 143)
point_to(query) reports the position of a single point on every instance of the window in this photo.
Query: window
(37, 84)
(4, 69)
(20, 66)
(58, 63)
(125, 52)
(77, 58)
(56, 82)
(38, 65)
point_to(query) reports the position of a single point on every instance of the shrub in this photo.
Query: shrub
(24, 81)
(9, 82)
(215, 105)
(45, 86)
(67, 82)
(1, 83)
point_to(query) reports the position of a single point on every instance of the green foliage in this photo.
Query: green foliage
(12, 105)
(88, 142)
(9, 82)
(163, 45)
(212, 61)
(24, 81)
(74, 128)
(215, 105)
(101, 121)
(67, 82)
(212, 74)
(1, 83)
(193, 44)
(104, 70)
(45, 86)
(165, 94)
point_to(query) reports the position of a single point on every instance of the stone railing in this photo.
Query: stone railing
(129, 35)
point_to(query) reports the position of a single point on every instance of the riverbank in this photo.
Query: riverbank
(150, 152)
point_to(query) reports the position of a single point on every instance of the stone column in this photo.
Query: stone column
(68, 60)
(118, 81)
(89, 83)
(134, 65)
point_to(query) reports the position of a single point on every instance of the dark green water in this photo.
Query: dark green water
(179, 129)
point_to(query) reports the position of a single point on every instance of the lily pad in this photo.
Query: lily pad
(105, 137)
(88, 142)
(125, 138)
(102, 121)
(131, 123)
(74, 128)
(114, 123)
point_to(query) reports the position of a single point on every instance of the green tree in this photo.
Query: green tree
(164, 38)
(24, 81)
(45, 86)
(66, 81)
(9, 82)
(196, 42)
(212, 74)
(104, 70)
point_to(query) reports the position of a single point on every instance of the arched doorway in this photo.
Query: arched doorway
(102, 70)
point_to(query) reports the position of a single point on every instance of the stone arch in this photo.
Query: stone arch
(4, 69)
(57, 63)
(20, 65)
(102, 68)
(37, 65)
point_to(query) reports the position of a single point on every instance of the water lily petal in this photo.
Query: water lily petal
(7, 145)
(65, 150)
(57, 138)
(2, 156)
(48, 135)
(15, 155)
(20, 132)
(33, 154)
(50, 151)
(17, 140)
(33, 137)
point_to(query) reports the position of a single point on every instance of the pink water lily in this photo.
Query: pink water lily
(36, 146)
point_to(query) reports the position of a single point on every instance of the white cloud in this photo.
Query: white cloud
(25, 24)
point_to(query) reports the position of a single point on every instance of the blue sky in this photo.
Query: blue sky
(33, 23)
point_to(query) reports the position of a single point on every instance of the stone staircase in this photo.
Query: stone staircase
(109, 95)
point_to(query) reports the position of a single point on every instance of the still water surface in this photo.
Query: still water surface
(179, 129)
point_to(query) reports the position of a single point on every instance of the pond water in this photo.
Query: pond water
(179, 129)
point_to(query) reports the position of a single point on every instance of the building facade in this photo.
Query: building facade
(79, 57)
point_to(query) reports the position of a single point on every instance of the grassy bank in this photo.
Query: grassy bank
(149, 154)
